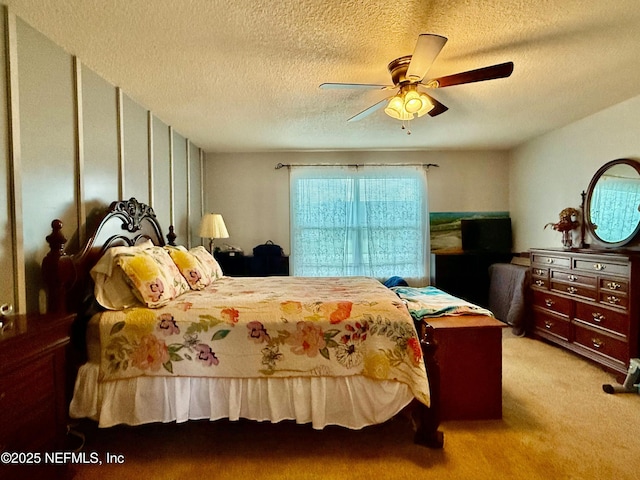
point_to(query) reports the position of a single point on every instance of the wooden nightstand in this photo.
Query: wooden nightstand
(33, 383)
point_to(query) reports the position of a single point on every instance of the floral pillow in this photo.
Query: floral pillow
(154, 277)
(112, 289)
(190, 267)
(210, 266)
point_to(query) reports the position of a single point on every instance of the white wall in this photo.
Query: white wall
(253, 196)
(549, 173)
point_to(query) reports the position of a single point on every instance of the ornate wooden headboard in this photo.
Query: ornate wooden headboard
(66, 276)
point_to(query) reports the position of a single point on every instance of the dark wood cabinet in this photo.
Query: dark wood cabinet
(33, 384)
(582, 300)
(465, 274)
(235, 264)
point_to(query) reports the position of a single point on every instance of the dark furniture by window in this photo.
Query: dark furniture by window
(465, 274)
(236, 264)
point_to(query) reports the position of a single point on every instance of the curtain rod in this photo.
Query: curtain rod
(356, 165)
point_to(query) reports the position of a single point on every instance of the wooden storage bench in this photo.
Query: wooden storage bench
(469, 352)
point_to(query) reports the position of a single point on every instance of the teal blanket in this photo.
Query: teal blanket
(429, 302)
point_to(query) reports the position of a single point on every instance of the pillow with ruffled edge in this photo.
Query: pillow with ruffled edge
(210, 266)
(190, 267)
(111, 287)
(154, 277)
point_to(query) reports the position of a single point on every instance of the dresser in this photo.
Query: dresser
(587, 301)
(33, 384)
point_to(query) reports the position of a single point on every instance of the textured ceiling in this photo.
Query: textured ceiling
(243, 75)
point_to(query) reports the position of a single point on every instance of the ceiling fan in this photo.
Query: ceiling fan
(408, 76)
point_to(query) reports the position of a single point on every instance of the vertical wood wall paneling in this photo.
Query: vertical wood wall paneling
(15, 160)
(100, 171)
(150, 158)
(48, 150)
(79, 131)
(180, 161)
(172, 181)
(162, 173)
(135, 138)
(202, 189)
(188, 166)
(120, 133)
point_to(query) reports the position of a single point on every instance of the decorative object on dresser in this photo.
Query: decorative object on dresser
(34, 386)
(567, 224)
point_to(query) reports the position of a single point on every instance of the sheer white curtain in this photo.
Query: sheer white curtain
(370, 221)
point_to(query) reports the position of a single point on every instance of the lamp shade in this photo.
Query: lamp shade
(212, 226)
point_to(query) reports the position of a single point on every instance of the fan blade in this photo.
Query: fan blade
(501, 70)
(437, 109)
(427, 49)
(355, 85)
(370, 110)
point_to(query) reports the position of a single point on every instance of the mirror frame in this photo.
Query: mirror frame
(587, 204)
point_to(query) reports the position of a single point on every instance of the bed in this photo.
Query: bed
(199, 345)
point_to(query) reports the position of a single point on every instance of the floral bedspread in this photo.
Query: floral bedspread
(269, 326)
(429, 302)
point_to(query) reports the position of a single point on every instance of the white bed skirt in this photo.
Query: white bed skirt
(352, 402)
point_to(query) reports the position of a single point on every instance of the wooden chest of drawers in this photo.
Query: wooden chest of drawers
(33, 389)
(583, 300)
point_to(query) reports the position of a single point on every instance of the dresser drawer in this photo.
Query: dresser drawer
(572, 277)
(540, 272)
(574, 289)
(614, 285)
(22, 390)
(552, 302)
(553, 325)
(601, 343)
(540, 283)
(602, 267)
(614, 299)
(603, 318)
(542, 259)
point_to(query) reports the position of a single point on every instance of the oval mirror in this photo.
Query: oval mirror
(612, 203)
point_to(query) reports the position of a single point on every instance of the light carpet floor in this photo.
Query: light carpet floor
(557, 424)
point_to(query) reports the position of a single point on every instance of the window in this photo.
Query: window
(359, 221)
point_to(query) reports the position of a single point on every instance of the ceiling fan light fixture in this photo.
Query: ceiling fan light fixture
(408, 103)
(395, 108)
(412, 101)
(427, 105)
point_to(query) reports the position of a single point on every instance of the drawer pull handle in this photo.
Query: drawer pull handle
(612, 299)
(548, 302)
(572, 278)
(540, 283)
(538, 271)
(548, 324)
(597, 343)
(599, 266)
(572, 289)
(613, 285)
(549, 260)
(598, 317)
